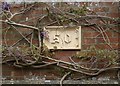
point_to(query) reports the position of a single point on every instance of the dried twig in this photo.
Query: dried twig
(23, 36)
(39, 39)
(89, 74)
(56, 18)
(72, 64)
(5, 37)
(62, 79)
(15, 57)
(19, 25)
(21, 39)
(10, 60)
(118, 74)
(46, 64)
(93, 63)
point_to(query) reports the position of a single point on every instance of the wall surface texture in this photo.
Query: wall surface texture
(89, 34)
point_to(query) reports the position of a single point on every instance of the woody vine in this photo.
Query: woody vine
(56, 16)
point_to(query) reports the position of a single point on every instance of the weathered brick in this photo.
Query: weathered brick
(114, 40)
(115, 46)
(114, 9)
(35, 41)
(88, 29)
(90, 34)
(116, 34)
(114, 15)
(108, 33)
(84, 46)
(108, 4)
(102, 46)
(100, 40)
(88, 41)
(105, 4)
(101, 9)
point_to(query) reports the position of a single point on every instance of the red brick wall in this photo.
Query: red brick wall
(88, 34)
(106, 9)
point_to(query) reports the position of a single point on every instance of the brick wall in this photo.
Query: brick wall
(105, 9)
(88, 36)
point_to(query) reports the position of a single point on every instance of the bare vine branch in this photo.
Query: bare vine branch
(62, 79)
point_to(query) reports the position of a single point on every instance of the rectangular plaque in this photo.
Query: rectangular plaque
(61, 37)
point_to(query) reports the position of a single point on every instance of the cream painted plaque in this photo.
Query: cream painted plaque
(61, 37)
